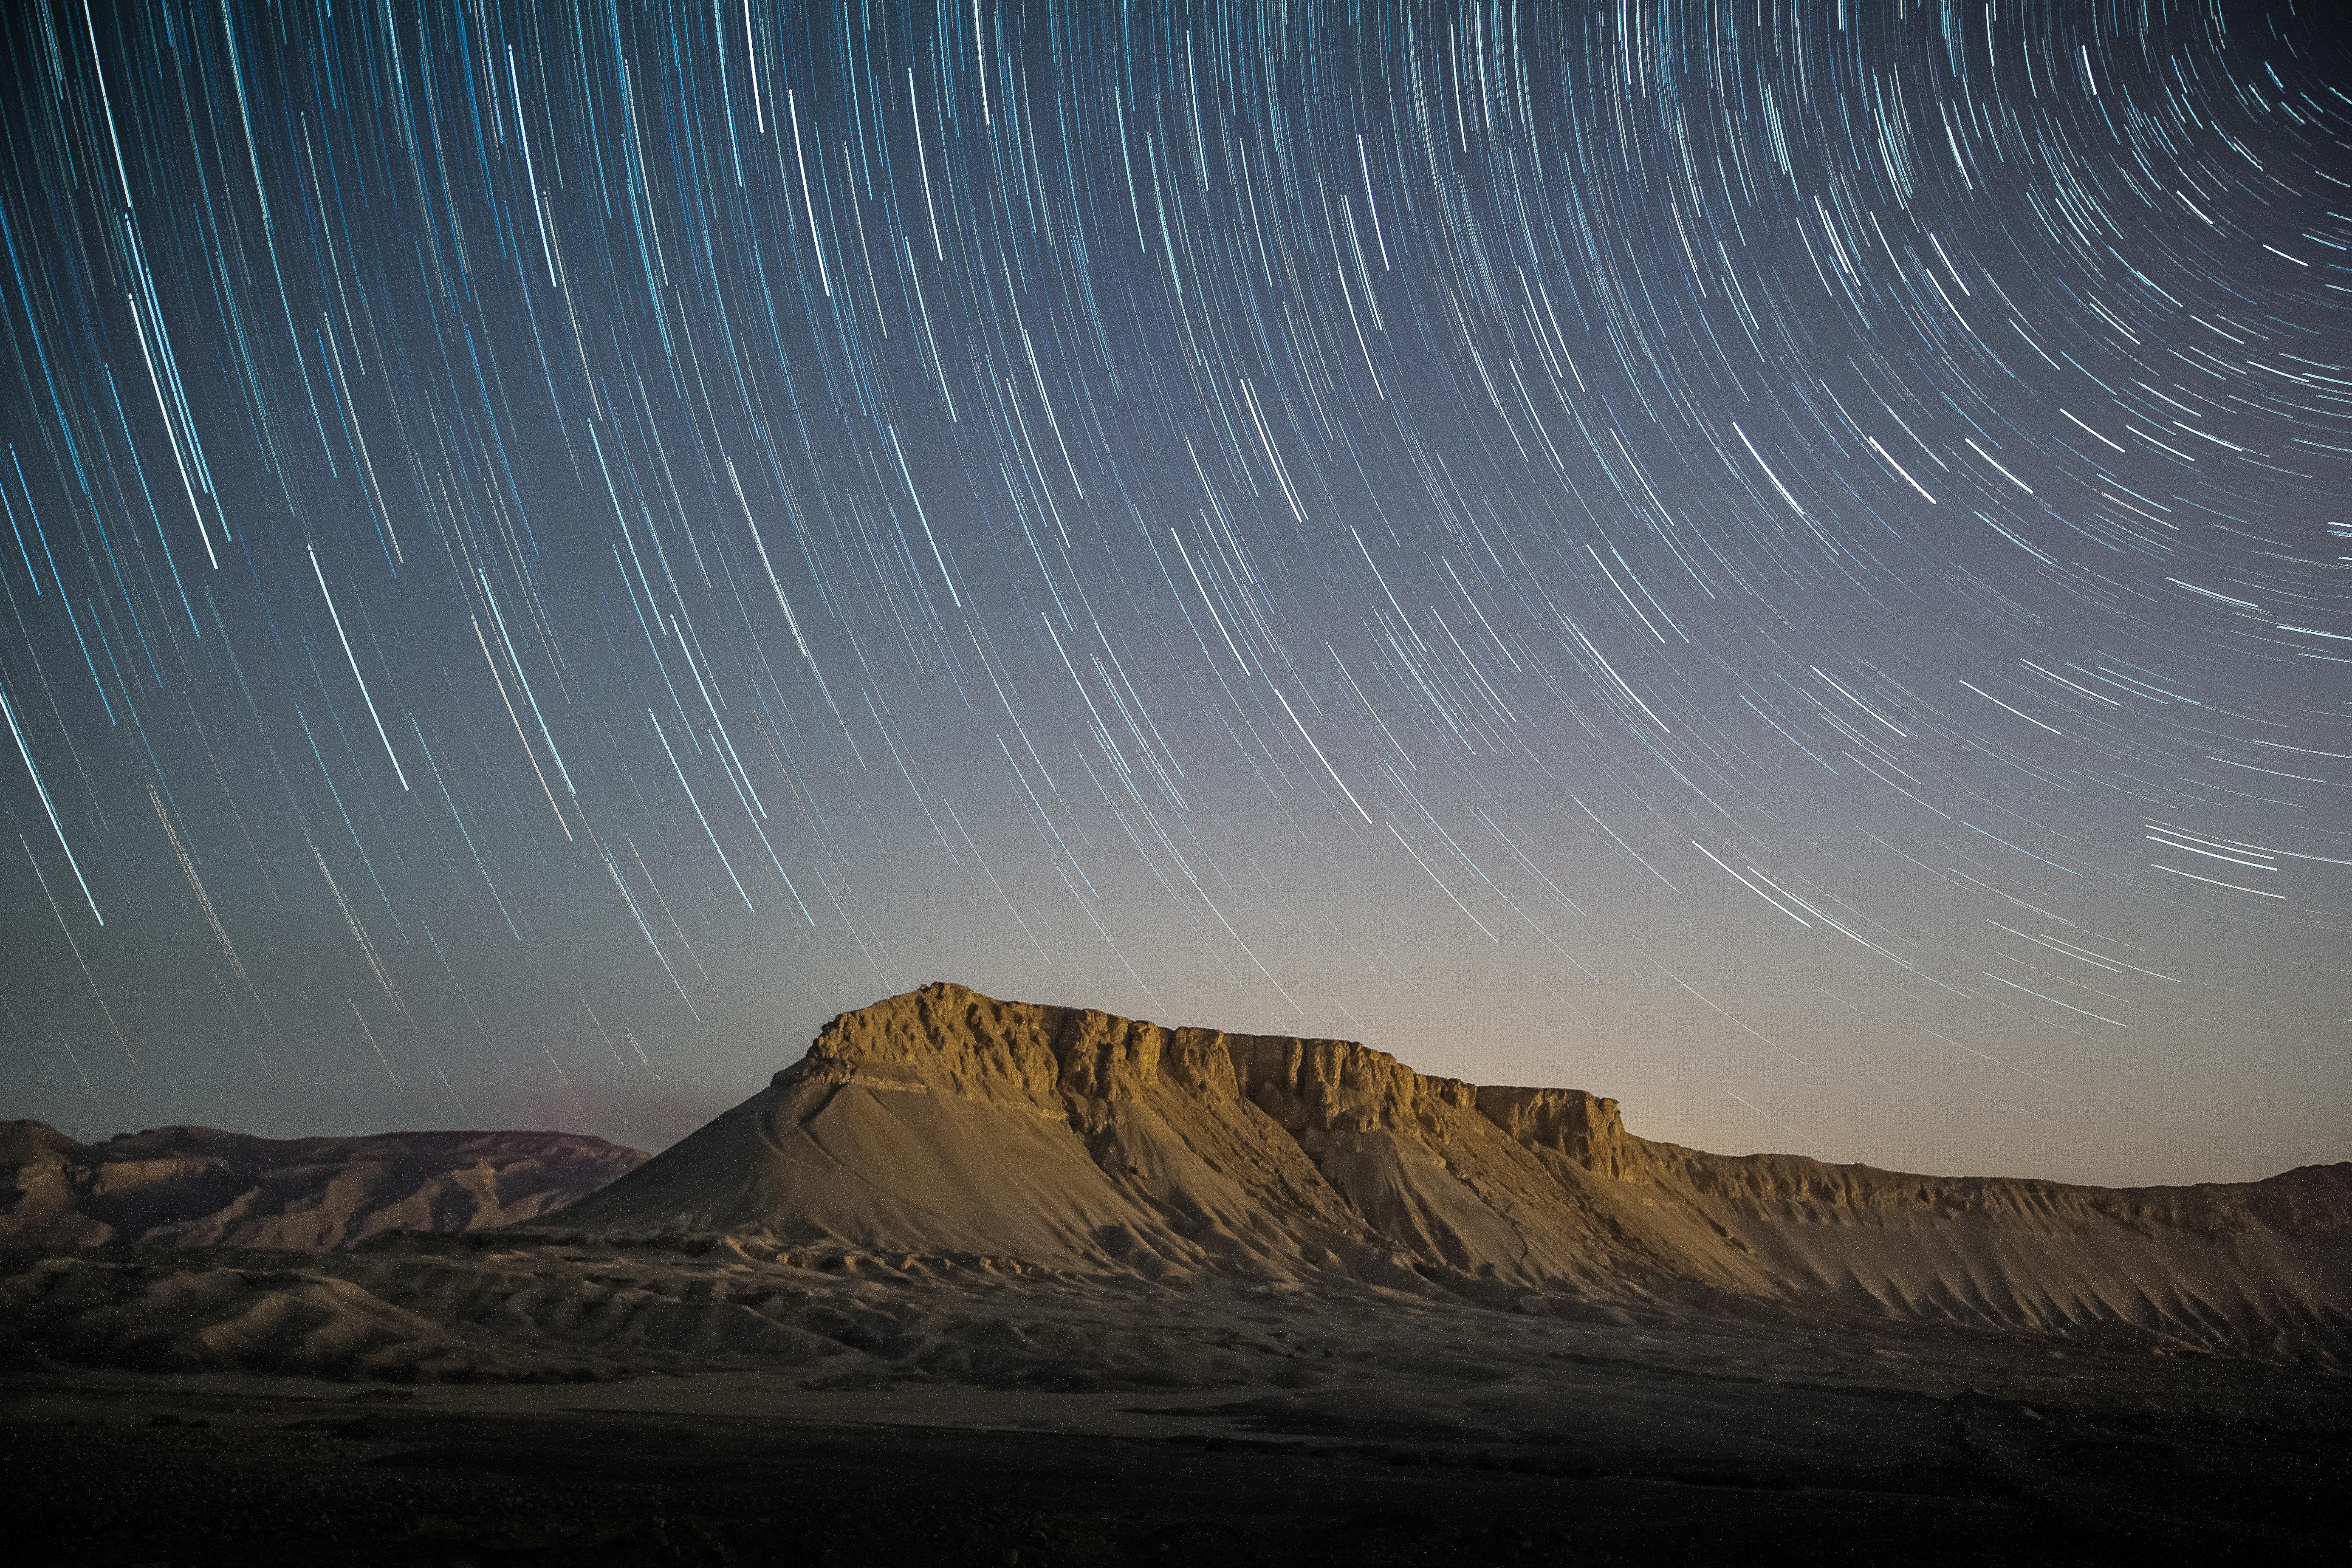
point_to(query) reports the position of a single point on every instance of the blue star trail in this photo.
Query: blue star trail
(1783, 562)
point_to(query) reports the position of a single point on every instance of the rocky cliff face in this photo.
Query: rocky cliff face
(1580, 1127)
(198, 1187)
(947, 1123)
(948, 1037)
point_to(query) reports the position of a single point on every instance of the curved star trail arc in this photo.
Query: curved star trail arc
(1784, 562)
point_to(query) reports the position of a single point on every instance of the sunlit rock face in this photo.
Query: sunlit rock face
(199, 1186)
(946, 1123)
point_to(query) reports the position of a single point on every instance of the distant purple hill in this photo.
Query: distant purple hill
(199, 1186)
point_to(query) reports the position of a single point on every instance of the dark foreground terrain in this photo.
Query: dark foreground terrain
(1624, 1444)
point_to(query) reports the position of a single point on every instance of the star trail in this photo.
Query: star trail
(1782, 561)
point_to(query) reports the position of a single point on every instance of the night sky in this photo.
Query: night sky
(1781, 562)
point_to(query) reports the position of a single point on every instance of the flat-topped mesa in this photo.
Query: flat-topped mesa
(948, 1124)
(946, 1037)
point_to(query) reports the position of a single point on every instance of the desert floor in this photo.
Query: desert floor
(1349, 1430)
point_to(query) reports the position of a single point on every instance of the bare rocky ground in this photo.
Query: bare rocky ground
(974, 1415)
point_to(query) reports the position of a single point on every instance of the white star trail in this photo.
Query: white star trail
(1831, 490)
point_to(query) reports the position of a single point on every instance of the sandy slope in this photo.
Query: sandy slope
(946, 1123)
(198, 1187)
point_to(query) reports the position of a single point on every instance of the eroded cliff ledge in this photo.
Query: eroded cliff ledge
(948, 1037)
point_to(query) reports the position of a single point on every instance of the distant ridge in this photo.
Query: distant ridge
(946, 1123)
(199, 1186)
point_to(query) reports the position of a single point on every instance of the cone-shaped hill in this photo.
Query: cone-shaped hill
(943, 1123)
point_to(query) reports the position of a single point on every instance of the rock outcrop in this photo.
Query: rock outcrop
(945, 1123)
(198, 1187)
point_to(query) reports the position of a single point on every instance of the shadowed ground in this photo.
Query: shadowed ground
(1562, 1444)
